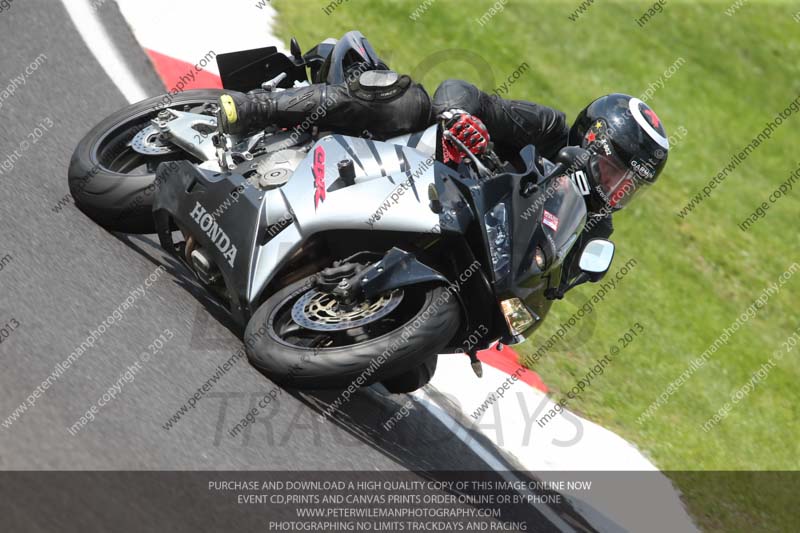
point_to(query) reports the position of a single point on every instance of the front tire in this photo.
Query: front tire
(111, 182)
(400, 342)
(413, 379)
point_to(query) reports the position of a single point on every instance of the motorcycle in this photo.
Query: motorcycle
(346, 260)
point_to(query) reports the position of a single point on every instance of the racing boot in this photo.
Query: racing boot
(242, 114)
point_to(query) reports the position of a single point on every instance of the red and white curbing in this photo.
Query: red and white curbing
(180, 33)
(178, 36)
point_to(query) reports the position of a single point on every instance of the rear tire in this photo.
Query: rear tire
(432, 314)
(110, 182)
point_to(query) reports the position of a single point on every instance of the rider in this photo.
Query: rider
(625, 142)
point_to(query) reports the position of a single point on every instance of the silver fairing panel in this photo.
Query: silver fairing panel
(389, 193)
(390, 190)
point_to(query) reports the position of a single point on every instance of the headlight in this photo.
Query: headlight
(497, 230)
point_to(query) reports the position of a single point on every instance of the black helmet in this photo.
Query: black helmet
(628, 145)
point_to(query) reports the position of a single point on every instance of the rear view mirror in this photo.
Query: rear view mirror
(597, 256)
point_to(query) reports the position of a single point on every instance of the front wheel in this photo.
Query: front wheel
(413, 379)
(303, 338)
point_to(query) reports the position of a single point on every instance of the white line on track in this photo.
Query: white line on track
(485, 454)
(103, 48)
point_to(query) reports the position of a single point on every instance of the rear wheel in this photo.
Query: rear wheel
(110, 181)
(304, 338)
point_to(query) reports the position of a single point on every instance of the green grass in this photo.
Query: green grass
(695, 275)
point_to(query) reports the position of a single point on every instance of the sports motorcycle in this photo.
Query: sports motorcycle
(346, 260)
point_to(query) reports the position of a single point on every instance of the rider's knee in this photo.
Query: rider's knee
(397, 104)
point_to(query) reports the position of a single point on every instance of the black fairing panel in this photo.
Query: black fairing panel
(560, 217)
(556, 195)
(560, 198)
(178, 196)
(566, 210)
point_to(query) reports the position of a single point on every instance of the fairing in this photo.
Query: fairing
(389, 193)
(556, 200)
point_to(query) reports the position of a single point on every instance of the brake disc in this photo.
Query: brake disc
(320, 311)
(149, 142)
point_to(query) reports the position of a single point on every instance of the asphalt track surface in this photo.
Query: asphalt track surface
(66, 275)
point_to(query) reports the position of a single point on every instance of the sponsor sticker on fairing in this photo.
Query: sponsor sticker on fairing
(550, 220)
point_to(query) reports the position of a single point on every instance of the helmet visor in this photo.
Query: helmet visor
(617, 183)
